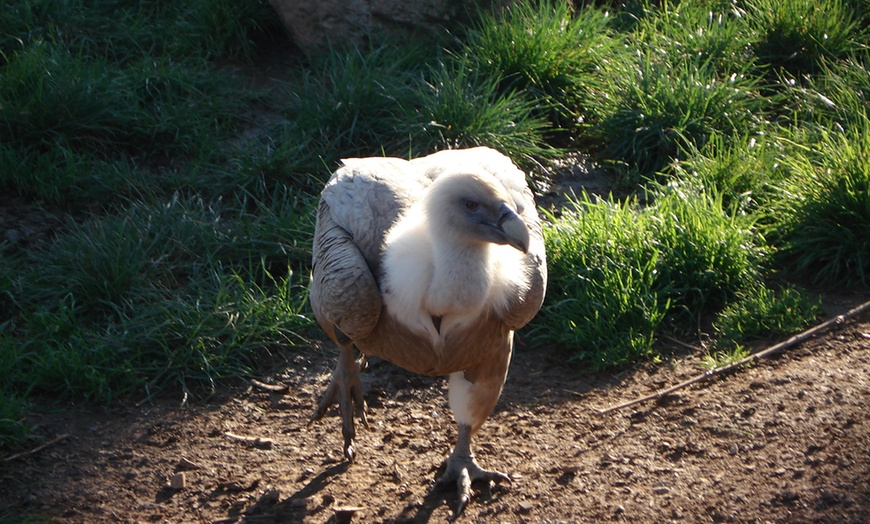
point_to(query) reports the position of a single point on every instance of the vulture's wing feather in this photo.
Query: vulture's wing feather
(359, 203)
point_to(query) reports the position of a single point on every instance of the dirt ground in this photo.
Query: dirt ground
(786, 440)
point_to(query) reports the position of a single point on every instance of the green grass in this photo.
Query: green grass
(546, 50)
(708, 31)
(620, 274)
(460, 107)
(347, 102)
(795, 36)
(76, 129)
(738, 132)
(822, 220)
(759, 312)
(742, 170)
(185, 294)
(657, 107)
(119, 30)
(601, 305)
(707, 252)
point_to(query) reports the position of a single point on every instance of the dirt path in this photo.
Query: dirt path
(787, 440)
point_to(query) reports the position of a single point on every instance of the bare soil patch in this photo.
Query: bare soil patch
(787, 440)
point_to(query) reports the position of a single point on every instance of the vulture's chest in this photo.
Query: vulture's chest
(459, 346)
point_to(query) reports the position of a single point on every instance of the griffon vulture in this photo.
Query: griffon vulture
(431, 264)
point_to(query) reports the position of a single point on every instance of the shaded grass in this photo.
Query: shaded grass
(155, 297)
(118, 30)
(76, 129)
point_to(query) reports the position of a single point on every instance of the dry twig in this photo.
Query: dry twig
(272, 388)
(257, 442)
(772, 350)
(37, 449)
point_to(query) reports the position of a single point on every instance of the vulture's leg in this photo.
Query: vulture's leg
(471, 404)
(345, 389)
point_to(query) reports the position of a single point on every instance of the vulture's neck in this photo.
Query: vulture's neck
(461, 279)
(433, 285)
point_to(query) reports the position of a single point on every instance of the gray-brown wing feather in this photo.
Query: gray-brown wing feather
(343, 292)
(358, 205)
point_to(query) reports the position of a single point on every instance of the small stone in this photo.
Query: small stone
(525, 506)
(344, 514)
(178, 481)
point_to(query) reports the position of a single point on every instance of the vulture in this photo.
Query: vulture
(431, 264)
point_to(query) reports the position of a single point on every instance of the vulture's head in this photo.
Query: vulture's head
(474, 208)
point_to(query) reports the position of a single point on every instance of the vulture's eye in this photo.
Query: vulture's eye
(471, 205)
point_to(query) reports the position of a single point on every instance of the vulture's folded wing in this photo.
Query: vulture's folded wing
(359, 203)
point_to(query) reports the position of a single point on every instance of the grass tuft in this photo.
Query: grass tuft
(460, 107)
(601, 305)
(821, 222)
(798, 35)
(619, 272)
(547, 50)
(657, 108)
(759, 312)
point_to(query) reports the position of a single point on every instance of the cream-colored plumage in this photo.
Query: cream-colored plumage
(431, 264)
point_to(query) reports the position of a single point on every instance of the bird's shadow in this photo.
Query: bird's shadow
(297, 506)
(445, 495)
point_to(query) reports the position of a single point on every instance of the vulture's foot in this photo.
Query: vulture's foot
(462, 470)
(345, 389)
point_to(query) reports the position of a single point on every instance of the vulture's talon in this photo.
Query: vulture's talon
(349, 451)
(363, 364)
(345, 390)
(463, 483)
(463, 472)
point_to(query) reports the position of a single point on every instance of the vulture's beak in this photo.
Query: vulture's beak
(511, 225)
